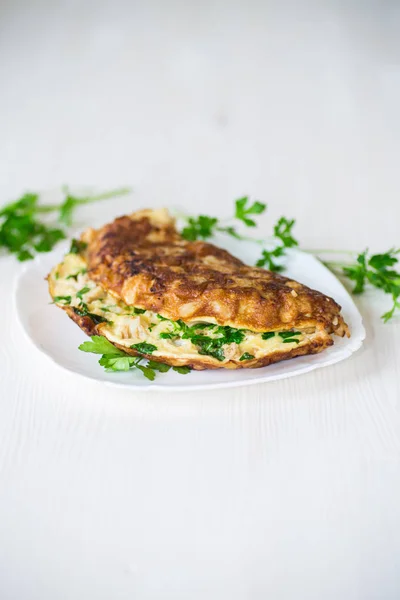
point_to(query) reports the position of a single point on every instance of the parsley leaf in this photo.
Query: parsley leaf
(82, 292)
(115, 362)
(283, 231)
(114, 359)
(289, 337)
(76, 275)
(144, 348)
(246, 356)
(23, 233)
(62, 299)
(231, 335)
(162, 318)
(25, 205)
(182, 370)
(201, 227)
(82, 311)
(268, 335)
(77, 247)
(158, 366)
(288, 334)
(358, 273)
(211, 346)
(168, 336)
(267, 259)
(100, 345)
(377, 271)
(204, 226)
(243, 209)
(147, 372)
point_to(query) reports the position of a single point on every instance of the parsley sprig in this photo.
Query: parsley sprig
(113, 359)
(204, 227)
(24, 233)
(284, 237)
(376, 270)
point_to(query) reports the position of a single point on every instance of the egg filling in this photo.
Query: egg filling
(128, 326)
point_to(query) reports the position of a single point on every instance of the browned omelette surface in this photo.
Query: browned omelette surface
(142, 260)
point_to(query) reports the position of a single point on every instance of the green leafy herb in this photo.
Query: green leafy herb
(162, 318)
(212, 346)
(147, 372)
(267, 259)
(163, 368)
(138, 311)
(82, 292)
(76, 275)
(376, 270)
(182, 370)
(283, 231)
(201, 227)
(82, 311)
(246, 356)
(288, 334)
(268, 335)
(23, 233)
(158, 366)
(100, 345)
(114, 359)
(62, 299)
(144, 348)
(204, 226)
(244, 208)
(231, 335)
(168, 336)
(114, 362)
(289, 337)
(98, 319)
(77, 247)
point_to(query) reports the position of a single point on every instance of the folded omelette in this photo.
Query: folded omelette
(151, 293)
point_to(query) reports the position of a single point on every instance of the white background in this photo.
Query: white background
(286, 491)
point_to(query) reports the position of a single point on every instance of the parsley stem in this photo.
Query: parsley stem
(334, 264)
(105, 196)
(326, 251)
(247, 238)
(47, 208)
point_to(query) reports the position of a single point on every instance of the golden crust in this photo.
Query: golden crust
(142, 260)
(207, 362)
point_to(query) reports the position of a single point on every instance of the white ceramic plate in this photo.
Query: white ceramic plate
(54, 334)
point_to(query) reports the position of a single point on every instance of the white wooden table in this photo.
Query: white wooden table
(287, 491)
